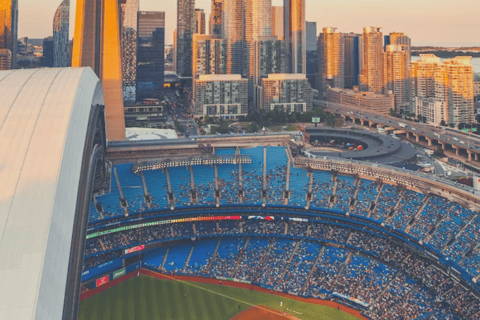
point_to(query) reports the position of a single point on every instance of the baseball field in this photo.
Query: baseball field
(146, 297)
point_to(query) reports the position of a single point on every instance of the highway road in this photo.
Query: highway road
(463, 140)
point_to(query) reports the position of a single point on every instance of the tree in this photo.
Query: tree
(178, 126)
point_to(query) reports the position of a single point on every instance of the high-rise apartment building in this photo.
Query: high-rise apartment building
(397, 75)
(186, 27)
(220, 96)
(200, 21)
(150, 54)
(60, 35)
(129, 48)
(371, 77)
(312, 53)
(331, 57)
(295, 35)
(257, 24)
(447, 84)
(234, 32)
(216, 19)
(209, 56)
(398, 38)
(351, 67)
(5, 59)
(288, 92)
(9, 27)
(277, 22)
(269, 57)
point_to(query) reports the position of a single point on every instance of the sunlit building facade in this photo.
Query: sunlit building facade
(8, 28)
(449, 82)
(234, 32)
(295, 35)
(200, 21)
(376, 102)
(371, 63)
(397, 75)
(277, 22)
(129, 49)
(288, 92)
(257, 24)
(220, 96)
(216, 19)
(186, 26)
(150, 54)
(60, 35)
(331, 58)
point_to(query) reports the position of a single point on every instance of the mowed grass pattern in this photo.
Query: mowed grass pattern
(145, 298)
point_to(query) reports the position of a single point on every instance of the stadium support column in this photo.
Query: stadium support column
(193, 191)
(286, 193)
(241, 190)
(146, 196)
(123, 200)
(309, 195)
(217, 194)
(264, 189)
(171, 196)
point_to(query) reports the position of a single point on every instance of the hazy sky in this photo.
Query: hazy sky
(436, 22)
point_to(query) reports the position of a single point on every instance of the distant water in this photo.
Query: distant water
(475, 62)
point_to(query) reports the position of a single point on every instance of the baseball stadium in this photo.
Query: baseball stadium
(217, 227)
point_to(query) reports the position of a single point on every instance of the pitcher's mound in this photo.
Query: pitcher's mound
(263, 313)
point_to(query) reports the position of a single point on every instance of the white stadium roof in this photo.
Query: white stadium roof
(44, 114)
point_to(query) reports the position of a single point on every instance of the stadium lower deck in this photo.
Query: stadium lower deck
(387, 250)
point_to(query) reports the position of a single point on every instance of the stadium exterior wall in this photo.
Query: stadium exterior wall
(46, 128)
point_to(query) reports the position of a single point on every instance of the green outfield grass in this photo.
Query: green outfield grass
(145, 298)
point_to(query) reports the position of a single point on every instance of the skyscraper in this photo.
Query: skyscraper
(269, 57)
(9, 27)
(234, 32)
(295, 35)
(199, 21)
(129, 49)
(60, 35)
(209, 57)
(5, 59)
(443, 91)
(257, 24)
(150, 54)
(216, 19)
(277, 22)
(371, 78)
(397, 75)
(331, 57)
(351, 66)
(185, 30)
(97, 45)
(312, 54)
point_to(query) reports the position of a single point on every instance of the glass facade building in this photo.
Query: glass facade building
(60, 35)
(150, 54)
(9, 27)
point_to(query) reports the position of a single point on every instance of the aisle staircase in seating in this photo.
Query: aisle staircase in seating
(434, 228)
(188, 258)
(373, 206)
(449, 243)
(240, 255)
(212, 258)
(280, 279)
(415, 217)
(392, 212)
(264, 259)
(314, 267)
(349, 256)
(165, 258)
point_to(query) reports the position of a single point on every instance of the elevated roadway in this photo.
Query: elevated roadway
(462, 144)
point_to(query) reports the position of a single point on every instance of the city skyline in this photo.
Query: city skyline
(427, 23)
